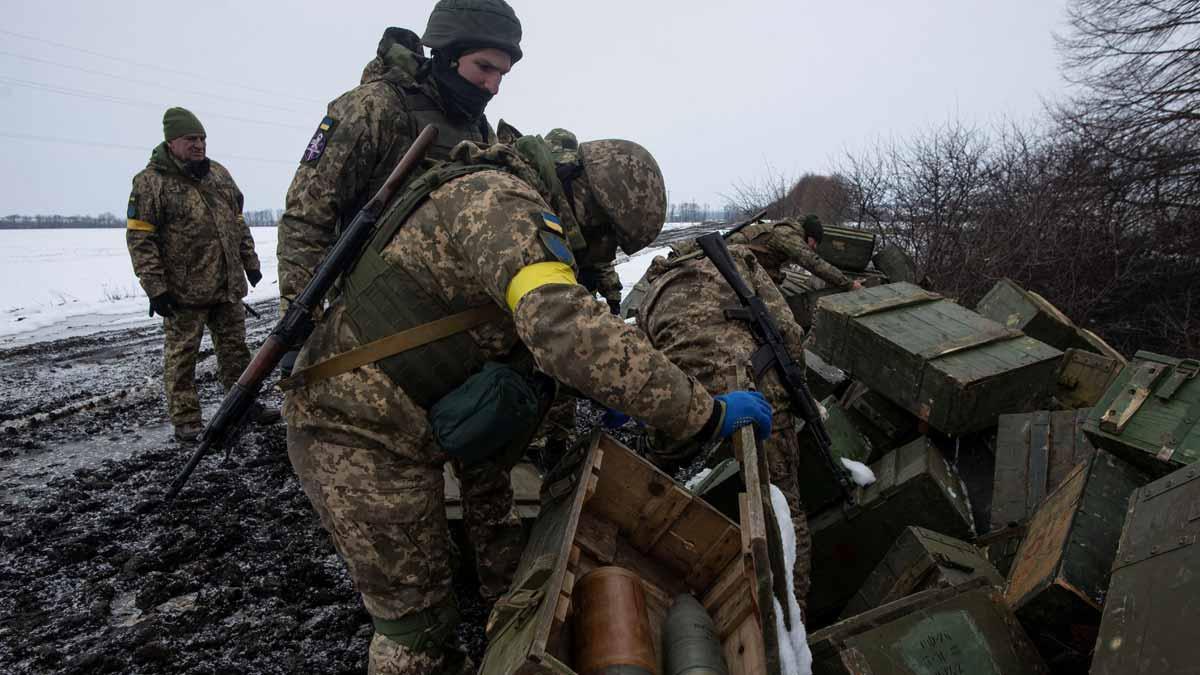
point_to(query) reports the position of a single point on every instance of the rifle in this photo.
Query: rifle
(749, 221)
(297, 322)
(772, 352)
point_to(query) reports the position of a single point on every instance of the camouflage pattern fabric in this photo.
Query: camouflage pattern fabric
(603, 279)
(364, 449)
(386, 657)
(360, 140)
(683, 315)
(492, 524)
(183, 332)
(186, 235)
(777, 244)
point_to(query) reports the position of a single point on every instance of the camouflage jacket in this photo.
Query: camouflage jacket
(187, 236)
(777, 244)
(683, 314)
(464, 246)
(360, 140)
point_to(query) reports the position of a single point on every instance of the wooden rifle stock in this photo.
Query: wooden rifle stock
(297, 322)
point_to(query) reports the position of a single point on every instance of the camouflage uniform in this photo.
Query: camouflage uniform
(186, 237)
(364, 449)
(362, 137)
(777, 244)
(683, 315)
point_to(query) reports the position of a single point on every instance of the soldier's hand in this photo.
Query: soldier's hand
(613, 419)
(163, 304)
(856, 285)
(742, 408)
(254, 276)
(614, 306)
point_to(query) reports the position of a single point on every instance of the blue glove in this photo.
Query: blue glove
(742, 408)
(613, 419)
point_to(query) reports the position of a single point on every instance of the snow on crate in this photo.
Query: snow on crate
(794, 654)
(860, 473)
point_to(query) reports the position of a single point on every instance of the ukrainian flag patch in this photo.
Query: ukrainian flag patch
(558, 247)
(552, 222)
(132, 211)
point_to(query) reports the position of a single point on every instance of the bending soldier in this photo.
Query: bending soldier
(777, 244)
(494, 237)
(683, 315)
(192, 253)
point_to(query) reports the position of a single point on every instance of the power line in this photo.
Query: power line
(155, 66)
(146, 82)
(118, 146)
(80, 93)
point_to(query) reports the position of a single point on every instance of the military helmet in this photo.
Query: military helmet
(474, 24)
(564, 147)
(628, 185)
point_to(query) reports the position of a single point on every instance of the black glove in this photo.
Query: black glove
(254, 276)
(614, 306)
(163, 304)
(287, 362)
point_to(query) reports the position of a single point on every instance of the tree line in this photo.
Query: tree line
(259, 218)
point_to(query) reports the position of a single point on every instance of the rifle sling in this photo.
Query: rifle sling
(391, 345)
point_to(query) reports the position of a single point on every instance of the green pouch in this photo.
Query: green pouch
(491, 414)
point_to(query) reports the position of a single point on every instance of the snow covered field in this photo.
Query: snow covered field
(62, 283)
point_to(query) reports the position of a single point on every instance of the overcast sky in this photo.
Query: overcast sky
(718, 91)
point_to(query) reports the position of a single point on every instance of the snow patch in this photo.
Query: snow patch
(695, 481)
(860, 473)
(632, 268)
(794, 654)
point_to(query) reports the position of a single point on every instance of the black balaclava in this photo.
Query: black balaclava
(461, 97)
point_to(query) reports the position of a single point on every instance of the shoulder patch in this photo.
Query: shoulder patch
(132, 211)
(558, 247)
(552, 222)
(320, 138)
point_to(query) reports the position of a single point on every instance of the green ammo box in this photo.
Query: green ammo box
(895, 264)
(940, 361)
(1035, 452)
(1014, 307)
(965, 630)
(1083, 378)
(1090, 342)
(1152, 614)
(823, 379)
(885, 425)
(1149, 415)
(818, 486)
(919, 560)
(1060, 576)
(847, 248)
(914, 486)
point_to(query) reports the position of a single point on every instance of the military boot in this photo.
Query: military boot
(263, 415)
(188, 432)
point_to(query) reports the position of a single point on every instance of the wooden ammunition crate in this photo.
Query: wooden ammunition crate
(802, 291)
(615, 508)
(823, 379)
(895, 264)
(940, 361)
(1083, 378)
(1090, 342)
(965, 630)
(1034, 454)
(1149, 415)
(919, 560)
(1151, 615)
(885, 425)
(818, 485)
(1014, 307)
(914, 486)
(847, 248)
(1059, 578)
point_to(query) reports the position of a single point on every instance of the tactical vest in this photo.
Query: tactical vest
(382, 299)
(424, 110)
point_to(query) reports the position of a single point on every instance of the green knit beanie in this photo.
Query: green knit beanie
(180, 122)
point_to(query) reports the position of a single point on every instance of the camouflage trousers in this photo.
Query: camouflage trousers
(781, 450)
(384, 509)
(182, 333)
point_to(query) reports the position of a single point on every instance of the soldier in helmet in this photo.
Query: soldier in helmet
(489, 245)
(683, 315)
(368, 129)
(786, 241)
